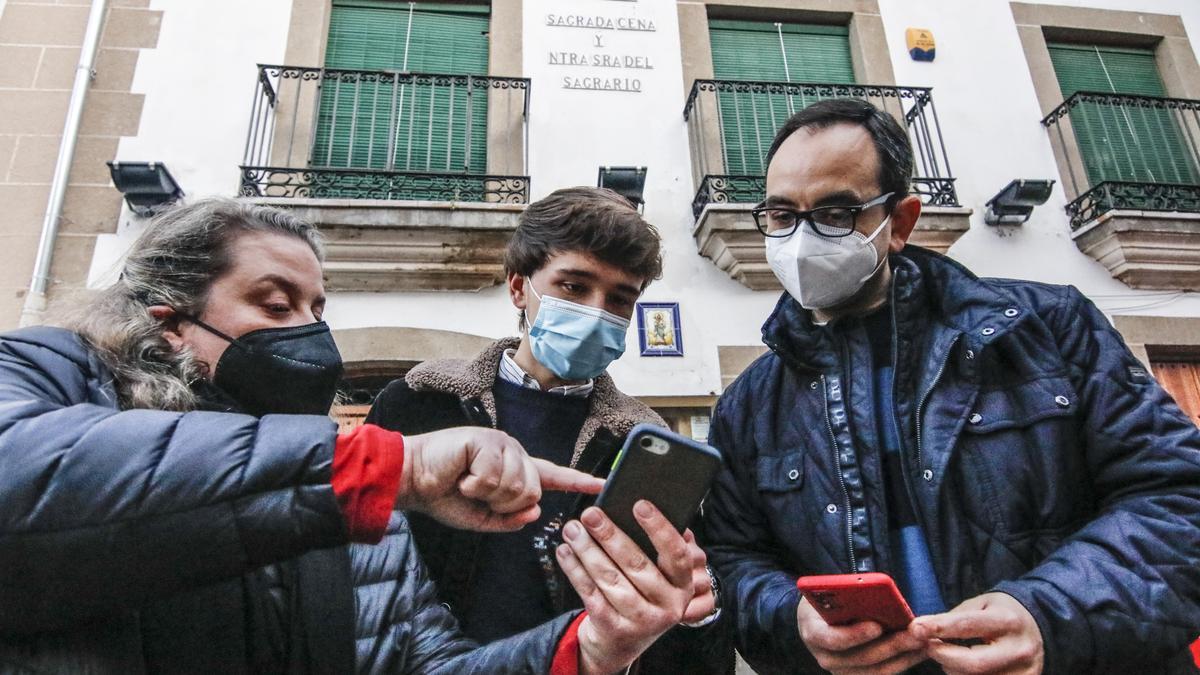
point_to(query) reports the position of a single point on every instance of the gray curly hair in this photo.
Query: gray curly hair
(174, 263)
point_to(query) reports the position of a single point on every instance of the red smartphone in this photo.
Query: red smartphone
(848, 598)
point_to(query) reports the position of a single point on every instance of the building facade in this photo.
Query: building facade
(414, 133)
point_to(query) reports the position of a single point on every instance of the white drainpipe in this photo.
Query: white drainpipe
(35, 300)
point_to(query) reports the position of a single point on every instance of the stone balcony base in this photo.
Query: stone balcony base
(382, 245)
(940, 226)
(726, 235)
(1152, 250)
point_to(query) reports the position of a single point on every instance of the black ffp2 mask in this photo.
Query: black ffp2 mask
(292, 370)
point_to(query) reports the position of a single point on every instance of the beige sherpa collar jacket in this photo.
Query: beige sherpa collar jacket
(473, 379)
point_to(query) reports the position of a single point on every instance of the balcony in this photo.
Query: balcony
(416, 179)
(1134, 174)
(730, 127)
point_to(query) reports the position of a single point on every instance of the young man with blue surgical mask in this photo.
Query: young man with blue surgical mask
(576, 265)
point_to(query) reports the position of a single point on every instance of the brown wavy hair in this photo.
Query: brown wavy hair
(174, 263)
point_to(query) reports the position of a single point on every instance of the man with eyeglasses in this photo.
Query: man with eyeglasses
(991, 444)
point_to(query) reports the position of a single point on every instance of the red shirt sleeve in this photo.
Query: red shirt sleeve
(367, 463)
(566, 657)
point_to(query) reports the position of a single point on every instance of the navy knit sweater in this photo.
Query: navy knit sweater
(509, 588)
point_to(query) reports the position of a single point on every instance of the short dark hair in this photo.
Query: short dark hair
(891, 141)
(589, 220)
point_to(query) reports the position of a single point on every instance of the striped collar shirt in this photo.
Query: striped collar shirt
(513, 374)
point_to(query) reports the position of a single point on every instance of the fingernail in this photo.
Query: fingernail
(563, 551)
(571, 531)
(591, 517)
(643, 508)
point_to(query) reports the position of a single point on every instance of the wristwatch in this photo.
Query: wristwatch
(716, 613)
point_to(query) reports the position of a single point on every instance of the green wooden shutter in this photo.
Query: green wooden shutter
(751, 50)
(422, 126)
(1121, 142)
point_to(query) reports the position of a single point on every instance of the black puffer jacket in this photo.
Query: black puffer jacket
(1042, 459)
(149, 541)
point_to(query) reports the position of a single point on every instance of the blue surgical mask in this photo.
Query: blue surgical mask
(574, 341)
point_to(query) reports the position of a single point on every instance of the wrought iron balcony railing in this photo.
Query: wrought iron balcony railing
(744, 116)
(1127, 152)
(356, 134)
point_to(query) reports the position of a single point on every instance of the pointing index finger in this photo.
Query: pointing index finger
(555, 477)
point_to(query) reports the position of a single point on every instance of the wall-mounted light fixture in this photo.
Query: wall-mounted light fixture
(146, 185)
(1014, 204)
(627, 181)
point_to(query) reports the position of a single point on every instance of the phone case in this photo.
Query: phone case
(675, 481)
(849, 598)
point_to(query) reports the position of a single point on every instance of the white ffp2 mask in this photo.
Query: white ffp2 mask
(822, 272)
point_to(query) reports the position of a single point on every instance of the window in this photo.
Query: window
(426, 124)
(776, 52)
(1122, 141)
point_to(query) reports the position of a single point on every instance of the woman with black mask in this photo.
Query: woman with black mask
(175, 498)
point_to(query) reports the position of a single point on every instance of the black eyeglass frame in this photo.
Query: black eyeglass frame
(760, 211)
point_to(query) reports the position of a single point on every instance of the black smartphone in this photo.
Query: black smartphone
(672, 472)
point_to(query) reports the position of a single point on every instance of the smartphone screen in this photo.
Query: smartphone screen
(672, 472)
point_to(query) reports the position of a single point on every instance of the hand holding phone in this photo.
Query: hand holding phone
(857, 622)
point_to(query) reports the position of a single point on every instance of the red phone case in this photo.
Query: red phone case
(848, 598)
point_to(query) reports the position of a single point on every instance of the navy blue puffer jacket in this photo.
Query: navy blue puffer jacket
(141, 541)
(1042, 459)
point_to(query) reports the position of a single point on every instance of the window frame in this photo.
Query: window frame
(308, 33)
(869, 56)
(1038, 25)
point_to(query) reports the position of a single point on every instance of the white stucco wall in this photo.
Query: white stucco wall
(991, 121)
(572, 134)
(989, 115)
(199, 79)
(575, 132)
(198, 84)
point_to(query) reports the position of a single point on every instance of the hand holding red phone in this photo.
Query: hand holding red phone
(871, 617)
(860, 647)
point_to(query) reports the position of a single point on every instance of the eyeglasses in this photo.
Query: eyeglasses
(827, 221)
